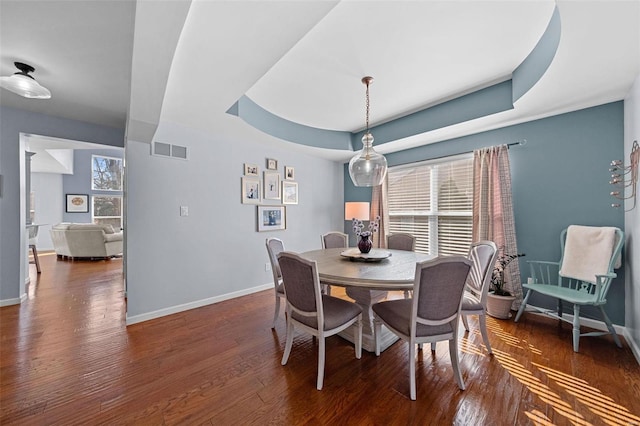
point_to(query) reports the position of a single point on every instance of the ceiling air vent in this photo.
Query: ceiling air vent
(168, 150)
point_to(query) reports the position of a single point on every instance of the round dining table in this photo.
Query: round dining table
(368, 279)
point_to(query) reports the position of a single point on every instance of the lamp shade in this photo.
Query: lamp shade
(356, 210)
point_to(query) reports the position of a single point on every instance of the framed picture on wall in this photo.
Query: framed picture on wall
(271, 218)
(250, 190)
(77, 203)
(250, 169)
(289, 173)
(271, 185)
(289, 192)
(272, 164)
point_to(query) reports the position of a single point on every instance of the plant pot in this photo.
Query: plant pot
(499, 306)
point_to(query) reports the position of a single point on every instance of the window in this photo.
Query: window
(433, 200)
(106, 173)
(107, 210)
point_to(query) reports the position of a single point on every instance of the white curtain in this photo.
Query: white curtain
(493, 209)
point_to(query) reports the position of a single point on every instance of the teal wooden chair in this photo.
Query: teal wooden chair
(581, 277)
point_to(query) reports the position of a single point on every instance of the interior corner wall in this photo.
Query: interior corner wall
(179, 262)
(632, 221)
(12, 123)
(560, 177)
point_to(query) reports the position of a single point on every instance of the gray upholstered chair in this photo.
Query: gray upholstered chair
(335, 240)
(483, 254)
(274, 247)
(313, 312)
(401, 241)
(431, 315)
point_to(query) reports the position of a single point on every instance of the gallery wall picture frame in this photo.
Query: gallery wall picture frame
(289, 173)
(250, 190)
(250, 169)
(77, 203)
(272, 218)
(289, 192)
(271, 185)
(272, 164)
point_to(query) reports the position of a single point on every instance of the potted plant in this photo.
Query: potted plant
(499, 300)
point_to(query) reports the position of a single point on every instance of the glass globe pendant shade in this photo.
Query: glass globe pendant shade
(367, 167)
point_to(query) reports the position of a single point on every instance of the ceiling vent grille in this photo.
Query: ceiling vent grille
(168, 150)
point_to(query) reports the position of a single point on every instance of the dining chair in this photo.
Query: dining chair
(274, 247)
(431, 315)
(335, 240)
(483, 255)
(401, 241)
(33, 239)
(311, 311)
(582, 277)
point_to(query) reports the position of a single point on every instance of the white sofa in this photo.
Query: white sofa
(86, 240)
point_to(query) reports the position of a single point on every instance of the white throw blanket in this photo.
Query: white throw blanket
(587, 252)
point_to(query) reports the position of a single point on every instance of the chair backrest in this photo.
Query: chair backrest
(588, 251)
(301, 285)
(335, 240)
(401, 241)
(483, 256)
(33, 233)
(438, 289)
(275, 246)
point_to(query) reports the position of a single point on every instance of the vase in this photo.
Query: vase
(364, 244)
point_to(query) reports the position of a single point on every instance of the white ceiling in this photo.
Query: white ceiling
(303, 60)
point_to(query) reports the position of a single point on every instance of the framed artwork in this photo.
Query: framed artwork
(250, 190)
(250, 169)
(77, 203)
(271, 218)
(289, 173)
(271, 185)
(289, 192)
(272, 164)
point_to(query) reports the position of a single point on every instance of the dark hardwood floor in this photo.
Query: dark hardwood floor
(67, 358)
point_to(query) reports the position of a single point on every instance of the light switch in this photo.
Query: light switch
(184, 210)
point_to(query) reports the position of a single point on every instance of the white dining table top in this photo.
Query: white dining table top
(396, 272)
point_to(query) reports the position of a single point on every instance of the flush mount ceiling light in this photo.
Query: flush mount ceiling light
(21, 83)
(367, 167)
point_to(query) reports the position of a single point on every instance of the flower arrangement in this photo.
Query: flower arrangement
(358, 227)
(497, 277)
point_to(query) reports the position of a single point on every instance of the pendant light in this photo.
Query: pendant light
(367, 167)
(21, 83)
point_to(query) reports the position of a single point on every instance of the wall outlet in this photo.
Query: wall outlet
(184, 210)
(267, 267)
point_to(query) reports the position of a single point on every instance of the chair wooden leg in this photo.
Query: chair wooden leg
(433, 346)
(576, 327)
(612, 330)
(465, 322)
(358, 336)
(377, 329)
(413, 359)
(523, 306)
(275, 315)
(35, 256)
(453, 354)
(289, 342)
(321, 340)
(482, 319)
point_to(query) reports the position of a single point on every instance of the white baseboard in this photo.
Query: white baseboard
(15, 301)
(587, 322)
(195, 304)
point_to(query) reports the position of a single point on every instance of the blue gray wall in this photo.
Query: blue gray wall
(560, 177)
(80, 181)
